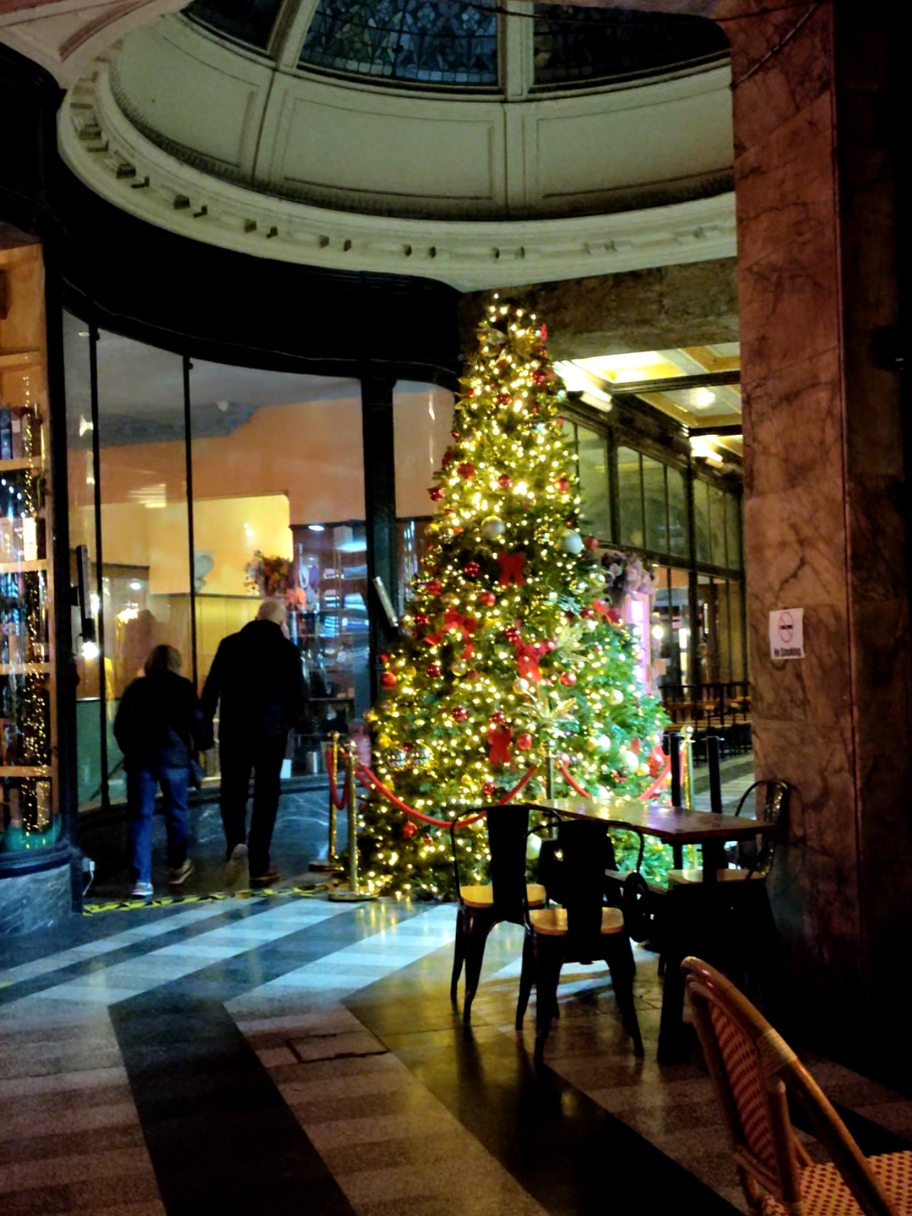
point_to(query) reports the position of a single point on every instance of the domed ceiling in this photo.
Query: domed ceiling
(458, 139)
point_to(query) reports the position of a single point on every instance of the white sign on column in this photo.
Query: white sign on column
(787, 633)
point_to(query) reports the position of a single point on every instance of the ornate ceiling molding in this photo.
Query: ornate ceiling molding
(110, 155)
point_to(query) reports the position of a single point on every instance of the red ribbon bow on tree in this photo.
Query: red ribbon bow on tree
(527, 656)
(499, 740)
(511, 568)
(606, 612)
(455, 622)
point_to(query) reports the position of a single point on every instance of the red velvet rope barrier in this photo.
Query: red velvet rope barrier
(339, 803)
(371, 779)
(644, 797)
(573, 784)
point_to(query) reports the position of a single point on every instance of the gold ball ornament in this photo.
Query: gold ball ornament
(616, 697)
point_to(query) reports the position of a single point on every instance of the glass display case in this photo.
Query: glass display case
(28, 734)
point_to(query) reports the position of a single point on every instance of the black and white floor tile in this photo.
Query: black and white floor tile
(304, 1055)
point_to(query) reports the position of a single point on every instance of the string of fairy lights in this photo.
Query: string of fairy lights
(510, 656)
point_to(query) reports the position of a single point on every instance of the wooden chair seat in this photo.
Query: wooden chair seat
(823, 1192)
(482, 896)
(678, 878)
(553, 921)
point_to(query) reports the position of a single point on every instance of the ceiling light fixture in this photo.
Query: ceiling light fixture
(315, 528)
(702, 397)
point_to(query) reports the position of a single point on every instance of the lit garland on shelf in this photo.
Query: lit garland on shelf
(510, 654)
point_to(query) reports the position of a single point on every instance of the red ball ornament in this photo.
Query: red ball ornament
(434, 587)
(388, 679)
(549, 645)
(435, 493)
(503, 398)
(524, 742)
(539, 377)
(568, 678)
(455, 434)
(488, 598)
(466, 470)
(562, 485)
(587, 613)
(473, 675)
(505, 481)
(409, 830)
(459, 713)
(489, 789)
(421, 618)
(434, 670)
(590, 542)
(428, 840)
(384, 658)
(498, 718)
(512, 634)
(472, 569)
(543, 333)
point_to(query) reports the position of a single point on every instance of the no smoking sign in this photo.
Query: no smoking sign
(786, 630)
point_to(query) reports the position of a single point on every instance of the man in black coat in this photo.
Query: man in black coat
(257, 681)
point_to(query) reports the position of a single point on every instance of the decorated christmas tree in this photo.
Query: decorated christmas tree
(513, 664)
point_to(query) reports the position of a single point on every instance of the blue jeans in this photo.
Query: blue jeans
(141, 789)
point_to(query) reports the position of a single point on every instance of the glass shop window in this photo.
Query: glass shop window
(630, 497)
(678, 530)
(144, 585)
(733, 531)
(671, 616)
(422, 422)
(593, 479)
(702, 532)
(278, 510)
(655, 504)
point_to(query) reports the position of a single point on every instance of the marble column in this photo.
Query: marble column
(825, 495)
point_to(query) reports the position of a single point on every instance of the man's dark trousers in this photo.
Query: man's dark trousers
(264, 757)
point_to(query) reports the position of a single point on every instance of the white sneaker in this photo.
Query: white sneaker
(236, 865)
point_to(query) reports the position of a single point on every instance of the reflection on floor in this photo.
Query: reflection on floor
(304, 1055)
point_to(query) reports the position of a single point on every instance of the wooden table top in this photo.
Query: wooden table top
(673, 825)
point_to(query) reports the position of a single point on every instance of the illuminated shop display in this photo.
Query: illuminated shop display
(28, 742)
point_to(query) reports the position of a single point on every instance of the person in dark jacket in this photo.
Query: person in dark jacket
(257, 682)
(158, 725)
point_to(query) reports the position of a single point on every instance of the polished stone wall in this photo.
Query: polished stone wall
(825, 496)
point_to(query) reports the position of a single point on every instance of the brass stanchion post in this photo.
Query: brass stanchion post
(331, 863)
(688, 781)
(353, 891)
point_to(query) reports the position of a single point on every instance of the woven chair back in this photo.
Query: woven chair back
(754, 1072)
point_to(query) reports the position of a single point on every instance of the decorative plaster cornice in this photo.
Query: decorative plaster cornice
(121, 164)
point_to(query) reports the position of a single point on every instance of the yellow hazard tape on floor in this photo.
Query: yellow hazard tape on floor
(166, 901)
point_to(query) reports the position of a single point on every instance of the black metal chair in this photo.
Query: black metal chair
(582, 931)
(505, 898)
(754, 857)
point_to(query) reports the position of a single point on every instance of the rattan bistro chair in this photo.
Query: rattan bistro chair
(484, 905)
(755, 1075)
(582, 931)
(755, 856)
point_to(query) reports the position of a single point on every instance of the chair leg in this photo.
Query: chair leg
(477, 931)
(526, 979)
(458, 955)
(548, 961)
(619, 958)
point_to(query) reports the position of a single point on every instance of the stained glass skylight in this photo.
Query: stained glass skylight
(441, 42)
(248, 21)
(580, 45)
